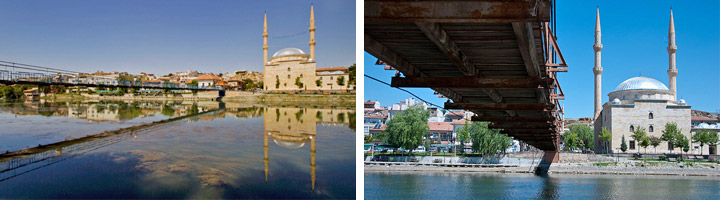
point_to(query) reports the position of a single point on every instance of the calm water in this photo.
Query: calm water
(223, 150)
(387, 185)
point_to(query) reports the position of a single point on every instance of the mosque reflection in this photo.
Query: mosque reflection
(293, 128)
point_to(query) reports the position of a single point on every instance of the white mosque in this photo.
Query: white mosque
(639, 102)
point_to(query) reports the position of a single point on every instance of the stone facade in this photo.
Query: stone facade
(618, 118)
(282, 72)
(329, 78)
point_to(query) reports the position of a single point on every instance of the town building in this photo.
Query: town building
(333, 78)
(207, 80)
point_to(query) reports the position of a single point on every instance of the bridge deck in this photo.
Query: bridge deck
(489, 57)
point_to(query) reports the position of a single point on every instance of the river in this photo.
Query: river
(420, 185)
(156, 149)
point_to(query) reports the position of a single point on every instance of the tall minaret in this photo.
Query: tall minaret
(265, 50)
(672, 72)
(598, 68)
(312, 34)
(313, 167)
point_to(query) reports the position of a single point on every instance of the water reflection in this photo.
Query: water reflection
(307, 152)
(398, 185)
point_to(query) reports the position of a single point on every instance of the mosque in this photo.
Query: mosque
(290, 69)
(639, 102)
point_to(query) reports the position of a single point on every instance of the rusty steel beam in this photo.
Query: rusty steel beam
(526, 44)
(442, 40)
(510, 119)
(471, 82)
(506, 126)
(457, 11)
(389, 56)
(499, 106)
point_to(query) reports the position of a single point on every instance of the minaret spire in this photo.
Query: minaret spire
(672, 71)
(597, 47)
(312, 34)
(265, 50)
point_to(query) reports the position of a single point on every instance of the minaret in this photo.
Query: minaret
(267, 159)
(312, 34)
(672, 72)
(313, 167)
(598, 68)
(265, 50)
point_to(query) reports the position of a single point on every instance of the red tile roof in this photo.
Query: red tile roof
(208, 77)
(382, 128)
(440, 126)
(458, 122)
(701, 118)
(332, 69)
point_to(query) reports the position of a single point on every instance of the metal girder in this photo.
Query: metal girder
(528, 50)
(441, 39)
(510, 119)
(388, 56)
(504, 126)
(457, 11)
(499, 106)
(471, 82)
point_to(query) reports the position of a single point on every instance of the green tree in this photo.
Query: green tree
(605, 136)
(341, 80)
(571, 140)
(318, 82)
(655, 141)
(298, 83)
(277, 83)
(685, 144)
(584, 133)
(623, 145)
(487, 141)
(351, 79)
(672, 135)
(705, 136)
(407, 128)
(639, 135)
(463, 136)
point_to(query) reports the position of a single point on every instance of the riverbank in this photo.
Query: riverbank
(345, 100)
(628, 167)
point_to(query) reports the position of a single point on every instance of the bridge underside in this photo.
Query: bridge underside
(489, 57)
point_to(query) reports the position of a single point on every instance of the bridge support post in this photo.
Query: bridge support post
(551, 156)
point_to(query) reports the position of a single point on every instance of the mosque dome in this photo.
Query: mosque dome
(289, 145)
(641, 83)
(616, 101)
(289, 51)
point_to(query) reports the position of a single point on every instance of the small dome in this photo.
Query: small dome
(682, 101)
(641, 83)
(288, 51)
(616, 101)
(289, 145)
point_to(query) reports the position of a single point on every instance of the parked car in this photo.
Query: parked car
(419, 149)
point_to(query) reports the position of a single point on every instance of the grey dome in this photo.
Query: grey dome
(641, 83)
(289, 145)
(289, 51)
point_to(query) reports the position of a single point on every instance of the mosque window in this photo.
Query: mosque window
(670, 147)
(288, 76)
(301, 75)
(650, 116)
(632, 144)
(288, 69)
(651, 129)
(632, 128)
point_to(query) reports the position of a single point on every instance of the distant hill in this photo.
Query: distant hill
(703, 114)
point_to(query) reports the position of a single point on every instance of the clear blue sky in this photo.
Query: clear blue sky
(166, 36)
(634, 36)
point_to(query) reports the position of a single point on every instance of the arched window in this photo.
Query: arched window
(301, 75)
(651, 129)
(288, 76)
(288, 69)
(650, 116)
(632, 128)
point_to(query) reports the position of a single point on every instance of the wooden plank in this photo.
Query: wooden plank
(471, 82)
(438, 36)
(498, 106)
(510, 119)
(526, 43)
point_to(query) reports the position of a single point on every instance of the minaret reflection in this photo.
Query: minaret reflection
(292, 128)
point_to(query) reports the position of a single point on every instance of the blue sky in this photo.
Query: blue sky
(164, 36)
(634, 36)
